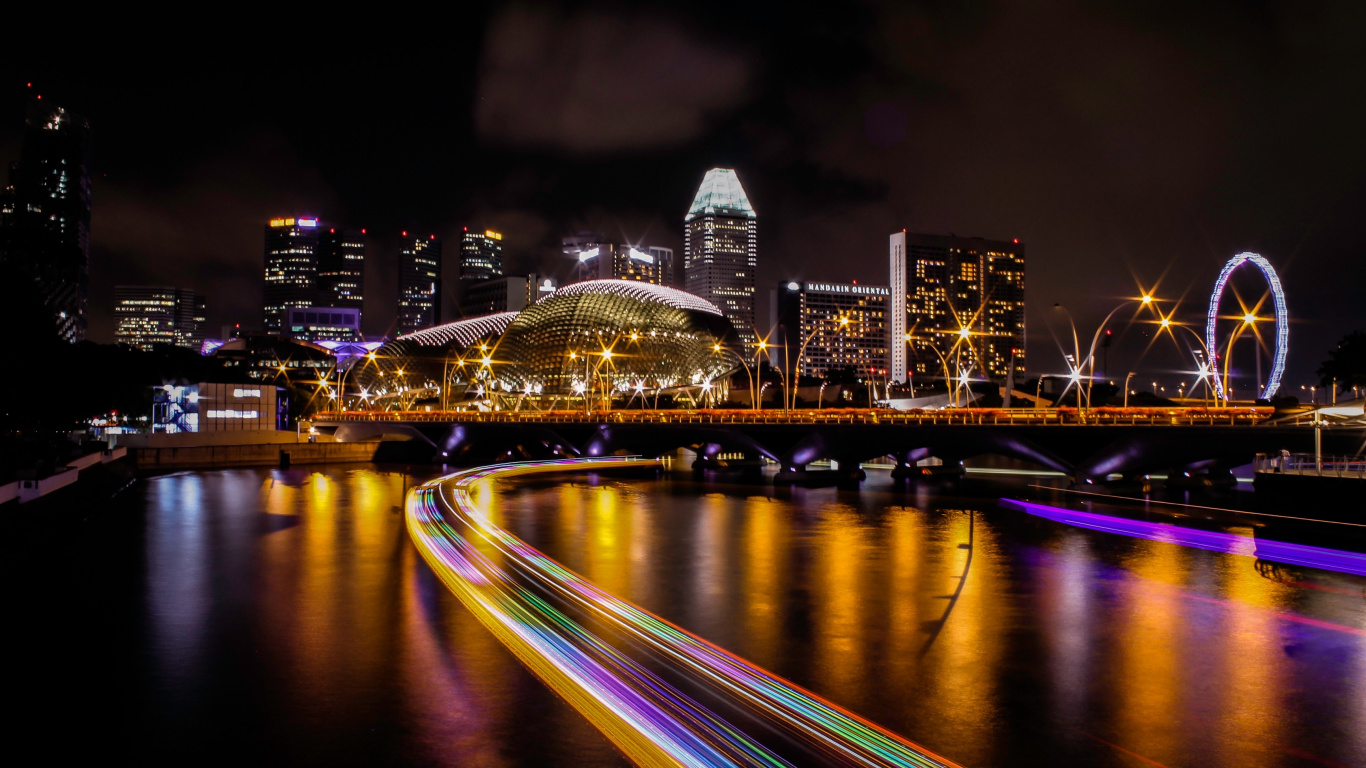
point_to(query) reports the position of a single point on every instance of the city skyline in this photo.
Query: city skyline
(906, 385)
(1111, 181)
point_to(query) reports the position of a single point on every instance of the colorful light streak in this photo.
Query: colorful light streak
(1282, 318)
(1277, 551)
(490, 571)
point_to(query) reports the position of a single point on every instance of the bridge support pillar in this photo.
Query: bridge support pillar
(905, 463)
(790, 473)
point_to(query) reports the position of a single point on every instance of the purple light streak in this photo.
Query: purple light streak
(1233, 544)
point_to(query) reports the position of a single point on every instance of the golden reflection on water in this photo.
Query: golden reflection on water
(1152, 638)
(906, 551)
(840, 556)
(346, 613)
(912, 617)
(765, 540)
(961, 669)
(1179, 655)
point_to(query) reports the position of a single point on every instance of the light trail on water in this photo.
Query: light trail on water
(1233, 544)
(492, 572)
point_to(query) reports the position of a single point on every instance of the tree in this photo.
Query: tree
(1346, 365)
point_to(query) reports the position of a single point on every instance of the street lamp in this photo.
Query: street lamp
(1206, 369)
(843, 322)
(718, 349)
(759, 349)
(1089, 361)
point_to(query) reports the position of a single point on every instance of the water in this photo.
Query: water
(283, 618)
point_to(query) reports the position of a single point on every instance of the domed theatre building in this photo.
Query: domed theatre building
(588, 342)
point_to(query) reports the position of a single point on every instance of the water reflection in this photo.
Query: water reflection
(286, 618)
(992, 639)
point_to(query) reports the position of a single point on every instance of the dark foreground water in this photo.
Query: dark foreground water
(282, 617)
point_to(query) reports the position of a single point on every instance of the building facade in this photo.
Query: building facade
(45, 215)
(419, 283)
(481, 255)
(291, 268)
(505, 294)
(219, 407)
(341, 268)
(964, 291)
(323, 323)
(147, 315)
(847, 325)
(720, 249)
(597, 259)
(664, 257)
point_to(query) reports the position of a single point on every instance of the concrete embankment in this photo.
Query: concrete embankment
(158, 459)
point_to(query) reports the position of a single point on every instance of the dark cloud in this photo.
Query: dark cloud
(599, 82)
(1120, 141)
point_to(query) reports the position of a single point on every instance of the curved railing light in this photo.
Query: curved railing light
(1282, 320)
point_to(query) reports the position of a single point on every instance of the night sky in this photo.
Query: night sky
(1121, 142)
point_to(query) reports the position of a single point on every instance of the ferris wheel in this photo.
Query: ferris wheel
(1282, 321)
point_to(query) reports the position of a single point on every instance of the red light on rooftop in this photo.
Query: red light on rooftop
(333, 230)
(40, 97)
(362, 231)
(465, 229)
(432, 236)
(405, 233)
(29, 85)
(855, 282)
(1017, 241)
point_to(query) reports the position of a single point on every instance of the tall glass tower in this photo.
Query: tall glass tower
(419, 283)
(481, 255)
(45, 214)
(341, 268)
(291, 268)
(720, 249)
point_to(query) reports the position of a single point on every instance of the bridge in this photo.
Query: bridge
(1086, 445)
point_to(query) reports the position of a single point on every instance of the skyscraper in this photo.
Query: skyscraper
(341, 268)
(45, 214)
(481, 255)
(419, 282)
(597, 259)
(505, 294)
(664, 257)
(291, 268)
(146, 315)
(949, 288)
(720, 249)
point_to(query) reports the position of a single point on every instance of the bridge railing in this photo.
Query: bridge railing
(1309, 464)
(834, 416)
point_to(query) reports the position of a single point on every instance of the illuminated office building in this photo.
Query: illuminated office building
(664, 257)
(323, 323)
(505, 294)
(815, 311)
(419, 282)
(147, 315)
(481, 255)
(597, 259)
(291, 268)
(341, 268)
(45, 215)
(943, 286)
(720, 252)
